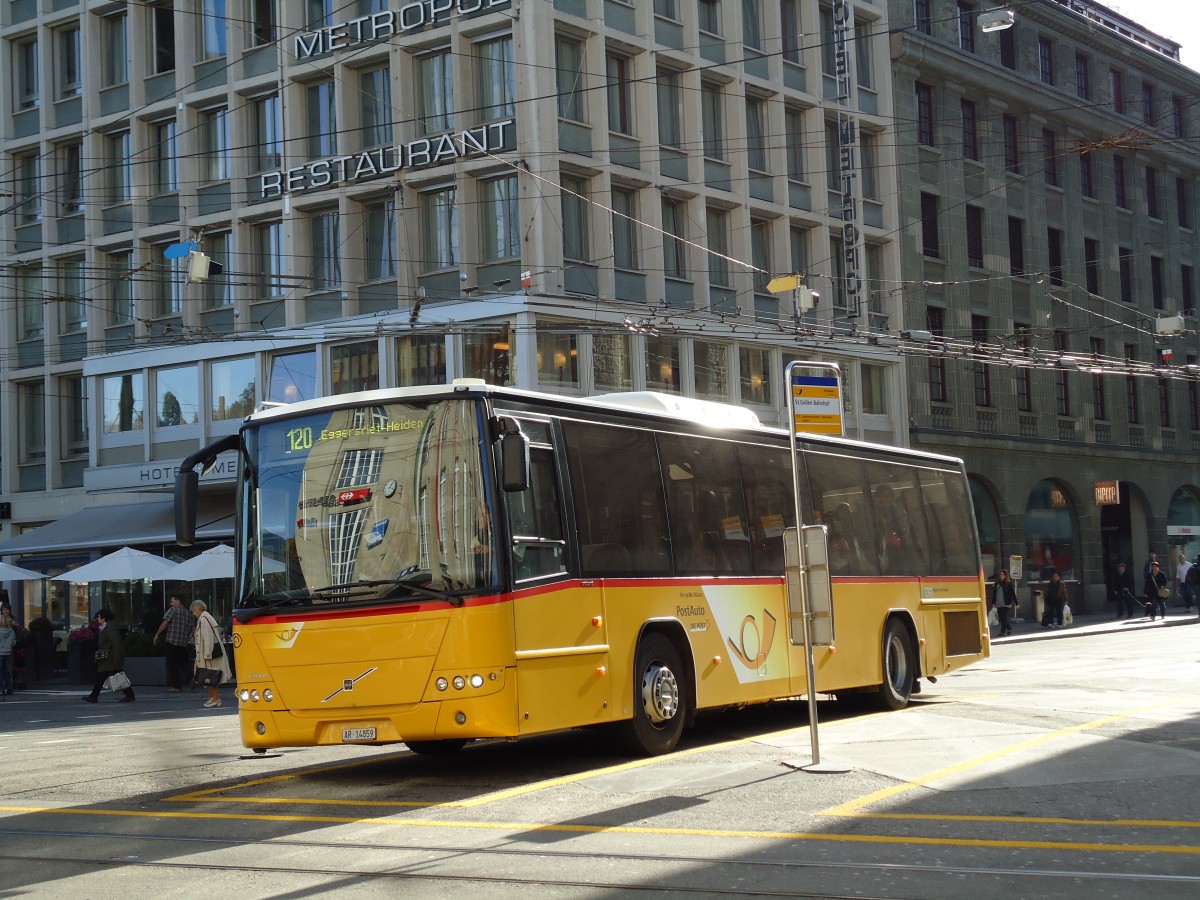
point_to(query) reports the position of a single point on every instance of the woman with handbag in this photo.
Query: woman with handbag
(110, 659)
(1004, 600)
(1155, 592)
(212, 668)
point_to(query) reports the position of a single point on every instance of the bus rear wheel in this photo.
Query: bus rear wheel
(659, 698)
(436, 748)
(899, 667)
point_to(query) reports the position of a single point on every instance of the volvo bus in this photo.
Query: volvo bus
(442, 564)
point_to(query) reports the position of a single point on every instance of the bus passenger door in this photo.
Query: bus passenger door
(561, 642)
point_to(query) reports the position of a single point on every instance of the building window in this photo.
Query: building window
(1120, 190)
(662, 364)
(67, 43)
(674, 219)
(488, 355)
(28, 187)
(1086, 179)
(166, 283)
(268, 132)
(70, 169)
(1050, 157)
(612, 362)
(381, 240)
(1012, 144)
(921, 16)
(717, 227)
(354, 367)
(1008, 49)
(829, 42)
(756, 134)
(31, 401)
(177, 396)
(421, 359)
(1193, 398)
(931, 243)
(497, 78)
(935, 322)
(669, 119)
(213, 36)
(925, 123)
(218, 246)
(267, 244)
(1164, 403)
(1152, 209)
(1148, 115)
(114, 49)
(262, 22)
(118, 166)
(711, 366)
(970, 134)
(29, 281)
(124, 402)
(1125, 264)
(1116, 91)
(1156, 281)
(501, 225)
(75, 419)
(321, 105)
(1046, 60)
(793, 124)
(319, 13)
(568, 54)
(435, 86)
(326, 246)
(557, 356)
(792, 29)
(624, 228)
(982, 372)
(166, 158)
(1062, 380)
(760, 254)
(1024, 375)
(119, 287)
(975, 236)
(862, 55)
(25, 71)
(162, 36)
(1054, 255)
(1187, 294)
(577, 239)
(966, 27)
(837, 267)
(620, 93)
(293, 377)
(1133, 394)
(1183, 203)
(375, 99)
(215, 144)
(666, 9)
(712, 117)
(1178, 123)
(752, 24)
(1099, 395)
(1083, 81)
(867, 168)
(72, 291)
(755, 370)
(1091, 265)
(1016, 246)
(232, 388)
(708, 16)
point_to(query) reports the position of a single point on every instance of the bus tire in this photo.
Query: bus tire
(659, 697)
(899, 667)
(446, 747)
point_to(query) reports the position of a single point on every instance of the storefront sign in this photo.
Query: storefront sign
(1108, 493)
(155, 474)
(408, 18)
(494, 137)
(847, 128)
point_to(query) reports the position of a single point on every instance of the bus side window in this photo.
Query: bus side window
(535, 521)
(901, 535)
(767, 475)
(710, 531)
(952, 542)
(835, 489)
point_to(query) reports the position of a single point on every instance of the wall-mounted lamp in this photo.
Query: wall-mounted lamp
(996, 20)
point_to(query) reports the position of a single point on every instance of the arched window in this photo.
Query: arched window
(987, 521)
(1051, 533)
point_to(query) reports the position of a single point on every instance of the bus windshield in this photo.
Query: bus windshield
(364, 505)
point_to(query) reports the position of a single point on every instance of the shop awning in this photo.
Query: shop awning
(105, 527)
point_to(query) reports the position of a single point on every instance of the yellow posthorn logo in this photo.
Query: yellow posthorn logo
(763, 640)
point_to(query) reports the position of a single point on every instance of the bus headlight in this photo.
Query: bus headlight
(268, 695)
(244, 695)
(442, 683)
(459, 682)
(476, 681)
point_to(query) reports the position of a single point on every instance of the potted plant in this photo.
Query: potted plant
(81, 653)
(144, 661)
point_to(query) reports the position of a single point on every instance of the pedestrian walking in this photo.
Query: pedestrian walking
(1123, 592)
(177, 628)
(1055, 599)
(209, 652)
(1182, 586)
(8, 645)
(1004, 601)
(110, 657)
(1155, 591)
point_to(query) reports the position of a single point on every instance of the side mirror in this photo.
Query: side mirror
(187, 486)
(514, 462)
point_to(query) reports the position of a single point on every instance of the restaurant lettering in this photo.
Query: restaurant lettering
(847, 130)
(380, 26)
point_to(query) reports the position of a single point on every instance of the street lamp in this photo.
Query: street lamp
(996, 20)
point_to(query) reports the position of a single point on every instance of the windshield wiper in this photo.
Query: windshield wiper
(283, 599)
(454, 599)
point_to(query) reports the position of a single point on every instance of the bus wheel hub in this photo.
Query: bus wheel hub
(660, 694)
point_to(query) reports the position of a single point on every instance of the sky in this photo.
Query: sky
(1178, 20)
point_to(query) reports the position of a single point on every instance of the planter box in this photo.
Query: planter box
(146, 671)
(81, 663)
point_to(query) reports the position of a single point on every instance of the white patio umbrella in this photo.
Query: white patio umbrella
(125, 564)
(216, 562)
(16, 573)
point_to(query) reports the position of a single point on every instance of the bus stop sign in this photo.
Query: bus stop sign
(817, 401)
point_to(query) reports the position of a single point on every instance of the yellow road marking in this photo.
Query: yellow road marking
(632, 829)
(852, 807)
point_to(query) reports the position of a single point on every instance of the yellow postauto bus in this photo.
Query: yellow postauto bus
(440, 564)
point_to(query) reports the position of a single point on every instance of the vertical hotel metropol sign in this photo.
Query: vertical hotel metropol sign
(848, 152)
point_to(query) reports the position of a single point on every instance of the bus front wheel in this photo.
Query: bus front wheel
(899, 667)
(659, 697)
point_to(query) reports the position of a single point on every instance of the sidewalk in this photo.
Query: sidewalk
(1095, 623)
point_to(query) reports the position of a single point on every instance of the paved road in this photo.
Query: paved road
(1058, 768)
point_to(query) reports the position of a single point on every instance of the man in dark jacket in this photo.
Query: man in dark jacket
(110, 657)
(1123, 592)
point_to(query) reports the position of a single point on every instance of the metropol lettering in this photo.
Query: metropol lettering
(383, 25)
(421, 153)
